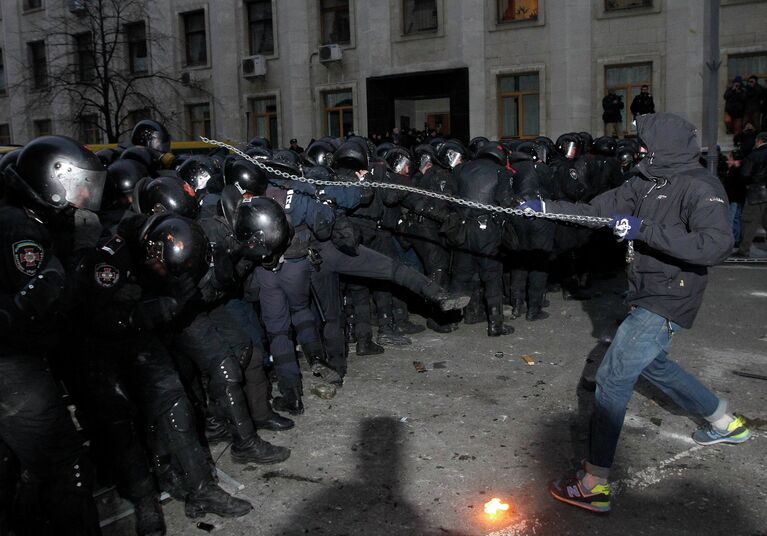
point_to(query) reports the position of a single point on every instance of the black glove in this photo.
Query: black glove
(151, 313)
(87, 229)
(40, 293)
(182, 288)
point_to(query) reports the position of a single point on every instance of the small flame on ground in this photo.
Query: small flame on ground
(494, 507)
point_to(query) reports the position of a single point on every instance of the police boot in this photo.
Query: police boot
(208, 498)
(275, 422)
(518, 307)
(290, 401)
(474, 313)
(440, 328)
(366, 346)
(403, 324)
(387, 333)
(320, 369)
(495, 325)
(535, 310)
(216, 430)
(447, 301)
(256, 450)
(149, 518)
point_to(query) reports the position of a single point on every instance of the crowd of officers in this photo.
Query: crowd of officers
(162, 295)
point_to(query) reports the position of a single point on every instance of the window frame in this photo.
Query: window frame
(626, 112)
(500, 21)
(37, 122)
(642, 7)
(322, 12)
(31, 46)
(10, 136)
(433, 31)
(3, 83)
(249, 27)
(25, 8)
(92, 121)
(191, 122)
(762, 76)
(520, 94)
(85, 49)
(184, 16)
(336, 109)
(252, 99)
(131, 43)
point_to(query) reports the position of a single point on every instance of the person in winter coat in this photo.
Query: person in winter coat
(676, 214)
(612, 104)
(734, 106)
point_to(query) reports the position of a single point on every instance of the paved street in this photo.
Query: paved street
(403, 452)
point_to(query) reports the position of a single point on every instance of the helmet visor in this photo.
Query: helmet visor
(83, 187)
(570, 149)
(453, 158)
(402, 165)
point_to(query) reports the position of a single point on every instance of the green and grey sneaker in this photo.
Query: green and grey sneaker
(737, 432)
(572, 491)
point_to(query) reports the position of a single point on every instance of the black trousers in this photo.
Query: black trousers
(489, 269)
(36, 427)
(529, 275)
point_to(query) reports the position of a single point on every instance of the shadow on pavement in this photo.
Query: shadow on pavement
(373, 502)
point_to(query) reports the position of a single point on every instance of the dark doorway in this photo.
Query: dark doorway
(452, 84)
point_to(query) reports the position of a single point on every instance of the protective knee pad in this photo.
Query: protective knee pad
(280, 343)
(246, 355)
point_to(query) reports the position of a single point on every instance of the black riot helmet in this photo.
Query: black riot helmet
(5, 161)
(452, 153)
(262, 153)
(107, 156)
(173, 246)
(335, 142)
(476, 144)
(166, 194)
(399, 161)
(143, 155)
(151, 134)
(287, 160)
(350, 155)
(627, 157)
(260, 223)
(260, 142)
(196, 171)
(56, 172)
(587, 141)
(384, 148)
(319, 153)
(547, 147)
(493, 150)
(535, 151)
(569, 146)
(604, 145)
(425, 154)
(320, 173)
(436, 143)
(122, 177)
(248, 178)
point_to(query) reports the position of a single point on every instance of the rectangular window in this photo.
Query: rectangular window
(199, 120)
(339, 112)
(2, 73)
(745, 65)
(260, 30)
(137, 49)
(134, 116)
(32, 4)
(517, 10)
(419, 16)
(196, 43)
(86, 61)
(627, 81)
(519, 106)
(38, 64)
(5, 134)
(335, 23)
(90, 133)
(263, 114)
(618, 5)
(42, 127)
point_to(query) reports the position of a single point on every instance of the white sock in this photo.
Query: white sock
(722, 422)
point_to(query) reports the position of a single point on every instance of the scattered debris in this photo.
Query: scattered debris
(419, 367)
(656, 421)
(745, 374)
(207, 527)
(439, 365)
(529, 360)
(499, 355)
(403, 419)
(326, 391)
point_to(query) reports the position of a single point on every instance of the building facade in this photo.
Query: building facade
(307, 68)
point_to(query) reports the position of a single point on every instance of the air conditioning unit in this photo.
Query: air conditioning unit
(330, 53)
(77, 6)
(254, 66)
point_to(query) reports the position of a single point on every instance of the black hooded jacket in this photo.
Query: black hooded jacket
(685, 225)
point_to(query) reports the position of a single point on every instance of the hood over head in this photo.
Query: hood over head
(672, 145)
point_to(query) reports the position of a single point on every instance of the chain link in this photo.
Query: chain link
(588, 221)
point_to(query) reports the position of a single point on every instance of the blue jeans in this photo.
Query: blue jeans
(736, 211)
(639, 347)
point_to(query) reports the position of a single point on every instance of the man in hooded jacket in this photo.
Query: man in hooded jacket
(676, 214)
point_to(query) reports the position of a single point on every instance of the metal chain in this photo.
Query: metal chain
(588, 221)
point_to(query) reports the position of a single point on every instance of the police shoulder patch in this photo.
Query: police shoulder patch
(106, 275)
(28, 256)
